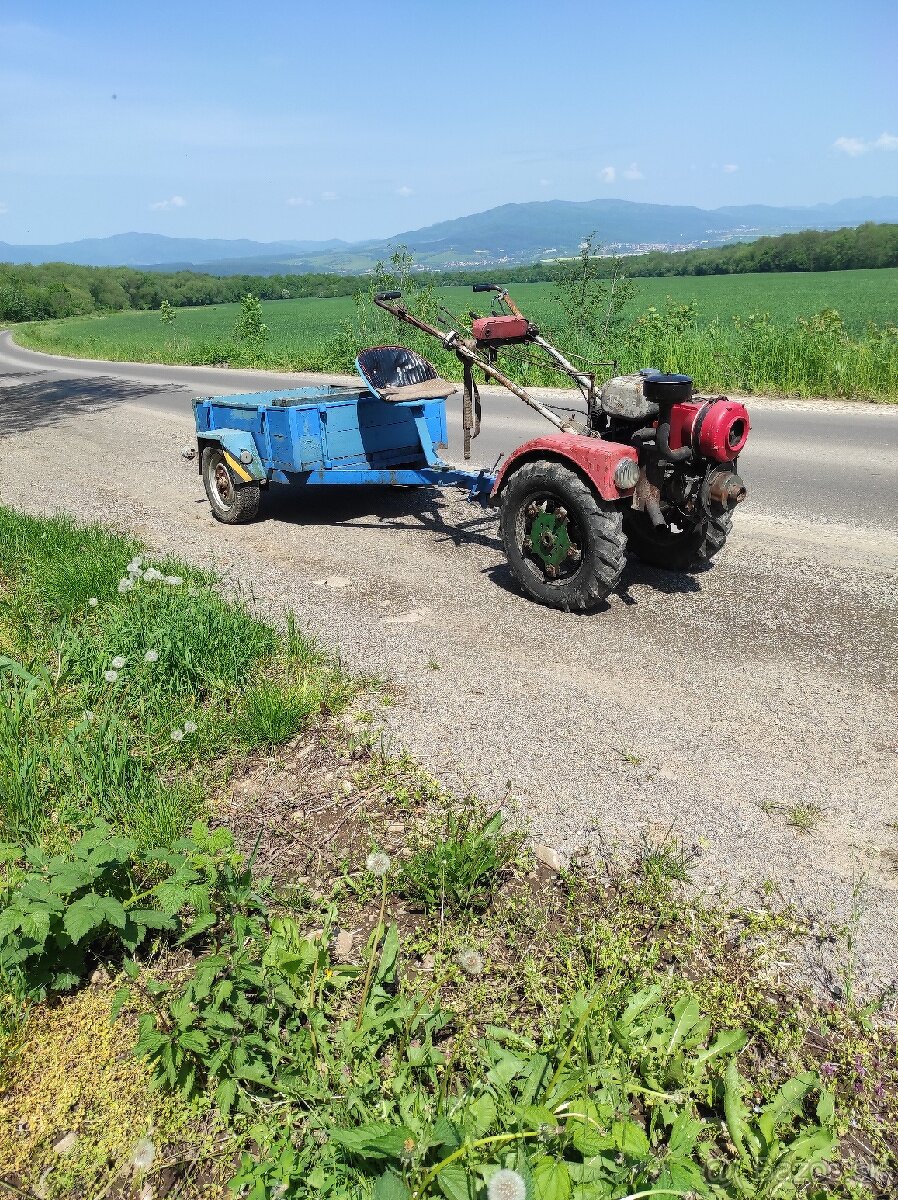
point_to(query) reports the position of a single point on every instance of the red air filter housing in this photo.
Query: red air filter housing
(500, 329)
(715, 429)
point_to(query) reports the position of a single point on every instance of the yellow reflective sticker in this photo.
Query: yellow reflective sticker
(237, 468)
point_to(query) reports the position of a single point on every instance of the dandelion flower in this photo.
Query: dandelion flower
(507, 1185)
(470, 962)
(118, 662)
(151, 656)
(93, 602)
(177, 735)
(174, 580)
(110, 676)
(142, 1156)
(378, 863)
(125, 585)
(190, 726)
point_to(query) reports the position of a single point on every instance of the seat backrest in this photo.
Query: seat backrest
(393, 367)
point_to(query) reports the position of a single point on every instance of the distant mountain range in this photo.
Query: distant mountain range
(512, 233)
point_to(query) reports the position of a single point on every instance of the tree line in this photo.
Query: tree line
(53, 290)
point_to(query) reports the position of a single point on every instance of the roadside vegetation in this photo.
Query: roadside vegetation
(245, 950)
(816, 334)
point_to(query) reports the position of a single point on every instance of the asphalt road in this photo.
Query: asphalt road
(750, 710)
(830, 462)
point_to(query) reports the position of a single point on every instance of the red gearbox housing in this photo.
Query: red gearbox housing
(715, 429)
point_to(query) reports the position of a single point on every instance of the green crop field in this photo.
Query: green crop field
(744, 332)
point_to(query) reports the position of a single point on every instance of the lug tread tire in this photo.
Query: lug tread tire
(686, 551)
(604, 556)
(247, 496)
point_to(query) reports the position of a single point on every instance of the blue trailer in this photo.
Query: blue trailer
(387, 430)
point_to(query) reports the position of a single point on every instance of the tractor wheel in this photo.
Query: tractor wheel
(233, 504)
(684, 549)
(564, 543)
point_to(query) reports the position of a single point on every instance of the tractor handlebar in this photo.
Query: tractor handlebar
(387, 295)
(485, 287)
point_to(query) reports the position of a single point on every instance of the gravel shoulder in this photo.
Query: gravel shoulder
(725, 709)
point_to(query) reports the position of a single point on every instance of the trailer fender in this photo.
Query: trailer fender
(240, 452)
(594, 459)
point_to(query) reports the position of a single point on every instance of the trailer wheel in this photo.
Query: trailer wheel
(564, 543)
(683, 549)
(233, 504)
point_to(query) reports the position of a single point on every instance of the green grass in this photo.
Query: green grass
(726, 342)
(119, 696)
(488, 1013)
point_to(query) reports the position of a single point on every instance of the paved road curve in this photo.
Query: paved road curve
(832, 462)
(725, 708)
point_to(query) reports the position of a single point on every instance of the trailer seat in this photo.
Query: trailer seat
(396, 373)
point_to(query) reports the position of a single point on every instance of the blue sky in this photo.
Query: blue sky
(352, 119)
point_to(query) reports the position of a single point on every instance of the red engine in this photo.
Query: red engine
(501, 329)
(715, 429)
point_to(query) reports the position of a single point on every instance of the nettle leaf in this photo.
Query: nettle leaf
(83, 916)
(630, 1139)
(71, 877)
(589, 1132)
(446, 1134)
(483, 1112)
(376, 1140)
(390, 1187)
(151, 918)
(35, 924)
(118, 1002)
(386, 968)
(456, 1183)
(551, 1180)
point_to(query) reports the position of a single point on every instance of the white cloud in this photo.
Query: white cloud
(854, 147)
(608, 174)
(633, 172)
(171, 202)
(850, 146)
(328, 195)
(405, 190)
(299, 202)
(545, 182)
(730, 168)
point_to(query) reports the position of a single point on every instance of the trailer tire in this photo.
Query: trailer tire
(688, 550)
(548, 510)
(232, 503)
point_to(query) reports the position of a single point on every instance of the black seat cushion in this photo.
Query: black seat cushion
(394, 367)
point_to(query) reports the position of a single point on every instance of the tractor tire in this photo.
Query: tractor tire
(687, 550)
(564, 543)
(232, 503)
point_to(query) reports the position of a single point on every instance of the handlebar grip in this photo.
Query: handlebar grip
(387, 295)
(484, 287)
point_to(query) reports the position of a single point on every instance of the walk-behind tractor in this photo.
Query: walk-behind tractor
(652, 468)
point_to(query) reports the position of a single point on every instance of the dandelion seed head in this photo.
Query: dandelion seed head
(470, 962)
(93, 602)
(151, 574)
(190, 726)
(177, 735)
(118, 662)
(110, 676)
(151, 656)
(173, 580)
(507, 1185)
(134, 572)
(126, 584)
(88, 716)
(142, 1155)
(378, 863)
